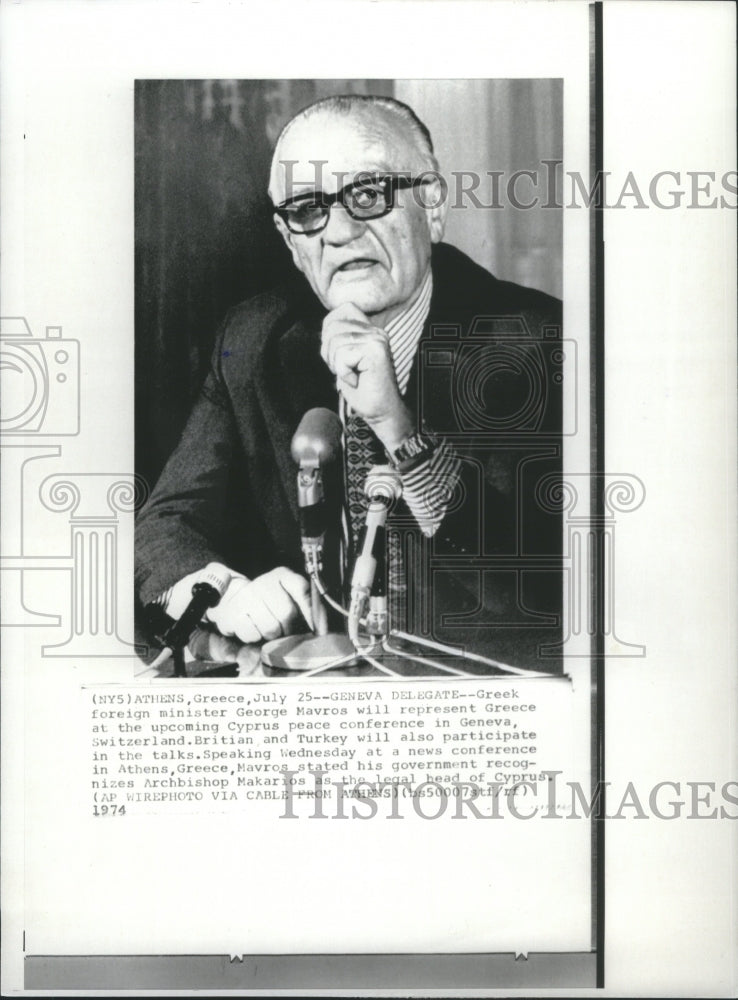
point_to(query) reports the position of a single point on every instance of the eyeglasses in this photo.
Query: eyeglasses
(371, 197)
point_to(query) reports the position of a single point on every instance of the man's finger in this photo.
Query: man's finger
(340, 340)
(246, 631)
(337, 330)
(298, 589)
(347, 310)
(274, 609)
(265, 621)
(347, 364)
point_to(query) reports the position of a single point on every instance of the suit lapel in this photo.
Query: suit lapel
(430, 389)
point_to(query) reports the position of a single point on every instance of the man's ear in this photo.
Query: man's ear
(287, 237)
(435, 195)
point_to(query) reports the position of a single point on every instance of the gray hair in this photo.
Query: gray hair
(349, 104)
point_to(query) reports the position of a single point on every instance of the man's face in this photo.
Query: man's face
(376, 264)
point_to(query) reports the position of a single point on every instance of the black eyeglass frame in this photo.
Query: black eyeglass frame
(391, 183)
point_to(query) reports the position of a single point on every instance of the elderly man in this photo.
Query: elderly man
(428, 360)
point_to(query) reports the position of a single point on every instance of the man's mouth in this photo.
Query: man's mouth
(359, 264)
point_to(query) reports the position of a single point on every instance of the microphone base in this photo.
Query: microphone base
(309, 652)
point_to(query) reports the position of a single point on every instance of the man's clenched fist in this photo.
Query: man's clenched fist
(267, 607)
(358, 353)
(264, 608)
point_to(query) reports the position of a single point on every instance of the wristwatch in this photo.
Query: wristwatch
(416, 448)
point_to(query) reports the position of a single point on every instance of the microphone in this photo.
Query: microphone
(206, 593)
(316, 442)
(383, 486)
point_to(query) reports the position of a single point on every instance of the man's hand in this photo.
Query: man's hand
(252, 610)
(264, 608)
(358, 353)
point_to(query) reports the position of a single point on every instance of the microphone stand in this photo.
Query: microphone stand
(315, 444)
(206, 593)
(383, 645)
(178, 659)
(331, 650)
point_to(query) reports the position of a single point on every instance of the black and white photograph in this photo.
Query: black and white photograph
(457, 425)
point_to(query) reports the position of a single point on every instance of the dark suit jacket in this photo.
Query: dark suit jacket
(487, 374)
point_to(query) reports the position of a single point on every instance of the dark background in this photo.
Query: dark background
(204, 236)
(205, 239)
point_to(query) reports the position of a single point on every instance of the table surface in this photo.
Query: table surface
(213, 655)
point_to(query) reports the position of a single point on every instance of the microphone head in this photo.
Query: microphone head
(317, 439)
(383, 483)
(217, 576)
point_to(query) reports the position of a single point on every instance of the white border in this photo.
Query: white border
(668, 92)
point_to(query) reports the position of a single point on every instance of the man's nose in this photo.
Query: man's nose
(341, 228)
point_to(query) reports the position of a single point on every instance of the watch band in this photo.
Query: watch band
(416, 448)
